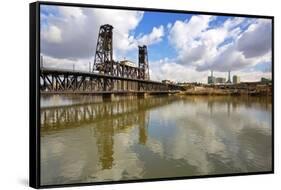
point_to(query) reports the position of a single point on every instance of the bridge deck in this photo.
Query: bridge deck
(109, 92)
(84, 73)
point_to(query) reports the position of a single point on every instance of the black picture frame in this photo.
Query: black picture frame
(34, 92)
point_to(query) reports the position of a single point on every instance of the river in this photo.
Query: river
(84, 139)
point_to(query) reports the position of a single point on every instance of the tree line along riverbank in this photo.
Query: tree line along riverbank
(256, 90)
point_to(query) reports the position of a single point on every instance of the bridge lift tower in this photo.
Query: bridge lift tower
(104, 62)
(143, 63)
(104, 51)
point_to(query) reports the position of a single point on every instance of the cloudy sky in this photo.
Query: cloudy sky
(181, 47)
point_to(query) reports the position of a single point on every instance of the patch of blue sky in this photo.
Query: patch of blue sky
(263, 66)
(227, 41)
(156, 19)
(218, 21)
(49, 10)
(45, 12)
(247, 22)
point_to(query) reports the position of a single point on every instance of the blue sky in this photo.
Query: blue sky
(181, 47)
(163, 48)
(151, 19)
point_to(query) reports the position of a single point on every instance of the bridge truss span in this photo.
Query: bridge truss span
(66, 81)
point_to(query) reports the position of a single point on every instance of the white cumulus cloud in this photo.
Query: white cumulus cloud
(153, 37)
(71, 33)
(77, 30)
(52, 35)
(220, 48)
(256, 40)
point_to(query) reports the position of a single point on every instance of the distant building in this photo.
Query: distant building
(236, 79)
(216, 80)
(220, 80)
(265, 80)
(228, 81)
(168, 82)
(211, 79)
(128, 63)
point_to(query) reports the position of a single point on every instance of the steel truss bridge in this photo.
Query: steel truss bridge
(107, 77)
(66, 81)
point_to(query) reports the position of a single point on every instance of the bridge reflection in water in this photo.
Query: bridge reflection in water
(105, 118)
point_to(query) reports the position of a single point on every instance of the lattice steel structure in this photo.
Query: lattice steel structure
(105, 64)
(66, 81)
(143, 63)
(104, 50)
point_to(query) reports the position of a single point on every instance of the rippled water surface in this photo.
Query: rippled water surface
(156, 137)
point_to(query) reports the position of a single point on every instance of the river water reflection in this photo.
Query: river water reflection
(154, 137)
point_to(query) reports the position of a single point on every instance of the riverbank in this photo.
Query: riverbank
(203, 91)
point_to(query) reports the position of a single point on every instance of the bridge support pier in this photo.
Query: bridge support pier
(108, 97)
(143, 95)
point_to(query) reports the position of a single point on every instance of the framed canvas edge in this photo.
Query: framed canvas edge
(34, 93)
(34, 100)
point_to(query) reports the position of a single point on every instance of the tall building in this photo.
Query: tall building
(211, 79)
(220, 80)
(236, 79)
(228, 81)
